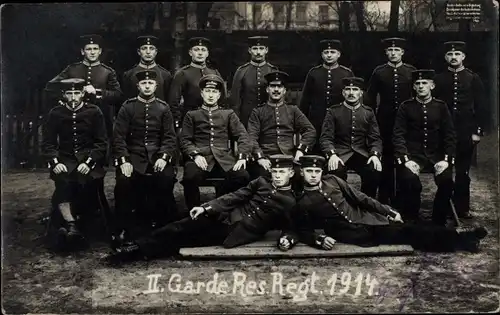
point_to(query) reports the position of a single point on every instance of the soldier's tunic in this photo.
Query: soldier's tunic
(352, 133)
(207, 131)
(163, 78)
(322, 89)
(249, 88)
(351, 217)
(103, 78)
(185, 85)
(463, 92)
(71, 138)
(143, 133)
(393, 84)
(424, 133)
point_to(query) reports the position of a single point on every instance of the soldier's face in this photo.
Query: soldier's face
(454, 58)
(258, 53)
(311, 175)
(210, 96)
(147, 87)
(352, 94)
(281, 176)
(73, 97)
(276, 91)
(423, 87)
(91, 52)
(147, 53)
(330, 55)
(199, 53)
(394, 54)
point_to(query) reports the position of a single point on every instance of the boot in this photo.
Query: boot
(125, 253)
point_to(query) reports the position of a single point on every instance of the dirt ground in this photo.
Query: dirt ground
(36, 280)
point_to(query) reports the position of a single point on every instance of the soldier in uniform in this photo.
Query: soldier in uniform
(186, 80)
(101, 84)
(248, 89)
(463, 92)
(144, 144)
(204, 141)
(75, 145)
(232, 220)
(147, 52)
(424, 139)
(274, 124)
(349, 216)
(350, 138)
(391, 81)
(323, 86)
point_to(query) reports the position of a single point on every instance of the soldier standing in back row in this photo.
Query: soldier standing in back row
(147, 50)
(463, 92)
(392, 82)
(186, 79)
(248, 89)
(323, 86)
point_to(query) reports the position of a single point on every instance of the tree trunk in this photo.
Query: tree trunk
(345, 16)
(202, 11)
(162, 6)
(178, 18)
(254, 16)
(150, 17)
(359, 10)
(394, 16)
(288, 15)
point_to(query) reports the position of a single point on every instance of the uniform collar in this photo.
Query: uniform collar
(71, 108)
(313, 188)
(352, 107)
(423, 102)
(147, 101)
(253, 63)
(284, 188)
(397, 65)
(457, 69)
(277, 104)
(145, 66)
(195, 65)
(335, 66)
(210, 109)
(88, 64)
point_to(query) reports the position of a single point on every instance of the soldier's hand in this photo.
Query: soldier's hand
(240, 164)
(413, 167)
(333, 162)
(476, 139)
(159, 165)
(265, 163)
(89, 89)
(377, 165)
(298, 154)
(60, 168)
(328, 243)
(83, 169)
(440, 166)
(397, 217)
(195, 212)
(284, 244)
(126, 169)
(201, 162)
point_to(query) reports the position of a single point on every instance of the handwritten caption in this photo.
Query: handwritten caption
(463, 10)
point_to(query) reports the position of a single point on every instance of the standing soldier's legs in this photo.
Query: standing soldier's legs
(441, 206)
(163, 193)
(461, 196)
(409, 194)
(193, 176)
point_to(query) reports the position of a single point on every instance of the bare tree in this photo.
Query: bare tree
(178, 19)
(202, 11)
(394, 16)
(288, 15)
(359, 11)
(344, 9)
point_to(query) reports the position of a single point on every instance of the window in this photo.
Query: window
(323, 14)
(301, 13)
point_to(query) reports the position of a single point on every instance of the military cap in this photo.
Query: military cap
(454, 46)
(330, 44)
(281, 161)
(312, 161)
(276, 77)
(354, 81)
(212, 81)
(90, 39)
(394, 42)
(145, 75)
(422, 74)
(257, 41)
(147, 40)
(199, 41)
(71, 84)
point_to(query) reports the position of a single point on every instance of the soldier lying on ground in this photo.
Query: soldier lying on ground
(349, 216)
(234, 219)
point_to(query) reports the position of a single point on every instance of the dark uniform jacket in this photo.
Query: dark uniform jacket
(249, 88)
(163, 78)
(75, 137)
(348, 129)
(207, 132)
(185, 85)
(339, 209)
(464, 94)
(424, 132)
(394, 85)
(322, 89)
(272, 129)
(259, 206)
(143, 133)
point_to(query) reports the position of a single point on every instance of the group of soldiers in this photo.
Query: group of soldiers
(271, 154)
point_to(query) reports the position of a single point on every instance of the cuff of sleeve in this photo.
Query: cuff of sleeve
(193, 154)
(259, 155)
(376, 153)
(98, 93)
(449, 158)
(330, 153)
(121, 160)
(53, 162)
(90, 162)
(302, 147)
(320, 239)
(480, 131)
(403, 159)
(242, 156)
(207, 208)
(165, 157)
